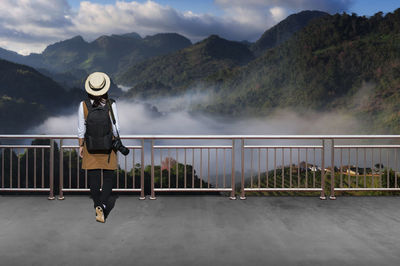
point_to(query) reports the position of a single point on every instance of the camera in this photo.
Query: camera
(118, 146)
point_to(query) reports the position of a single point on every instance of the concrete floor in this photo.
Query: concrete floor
(201, 230)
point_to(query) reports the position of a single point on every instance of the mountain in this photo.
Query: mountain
(186, 67)
(336, 63)
(28, 97)
(69, 79)
(110, 54)
(11, 56)
(23, 82)
(284, 30)
(180, 69)
(32, 60)
(69, 60)
(149, 47)
(131, 35)
(65, 55)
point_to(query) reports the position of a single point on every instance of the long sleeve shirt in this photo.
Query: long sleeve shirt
(82, 126)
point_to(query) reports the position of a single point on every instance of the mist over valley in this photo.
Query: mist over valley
(297, 78)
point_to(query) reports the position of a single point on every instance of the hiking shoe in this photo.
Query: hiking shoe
(106, 212)
(99, 214)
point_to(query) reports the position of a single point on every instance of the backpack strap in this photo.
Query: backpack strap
(89, 105)
(85, 109)
(109, 103)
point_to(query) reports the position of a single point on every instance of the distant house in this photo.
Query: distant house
(303, 167)
(329, 169)
(378, 167)
(309, 167)
(353, 170)
(168, 162)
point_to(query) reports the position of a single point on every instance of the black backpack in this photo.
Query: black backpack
(98, 136)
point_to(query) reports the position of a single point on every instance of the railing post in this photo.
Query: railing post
(332, 196)
(51, 174)
(233, 197)
(242, 195)
(152, 196)
(323, 197)
(142, 196)
(61, 174)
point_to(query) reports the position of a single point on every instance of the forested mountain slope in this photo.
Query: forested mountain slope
(27, 97)
(337, 62)
(176, 72)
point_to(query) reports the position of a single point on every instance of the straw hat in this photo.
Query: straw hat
(97, 83)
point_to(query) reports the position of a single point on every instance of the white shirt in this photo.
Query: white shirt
(81, 120)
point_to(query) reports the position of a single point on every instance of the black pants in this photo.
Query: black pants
(100, 197)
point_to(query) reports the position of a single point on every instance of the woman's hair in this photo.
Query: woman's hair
(98, 99)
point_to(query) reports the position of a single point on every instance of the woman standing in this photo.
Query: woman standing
(94, 123)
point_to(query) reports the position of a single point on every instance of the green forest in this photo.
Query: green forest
(340, 62)
(309, 61)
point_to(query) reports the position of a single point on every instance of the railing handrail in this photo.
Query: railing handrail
(244, 140)
(213, 136)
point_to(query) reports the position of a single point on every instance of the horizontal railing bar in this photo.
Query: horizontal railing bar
(191, 189)
(26, 189)
(282, 146)
(193, 147)
(134, 147)
(367, 189)
(266, 136)
(212, 137)
(38, 137)
(25, 146)
(77, 146)
(366, 146)
(282, 189)
(70, 146)
(114, 189)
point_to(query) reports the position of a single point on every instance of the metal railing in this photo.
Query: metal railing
(46, 182)
(207, 164)
(364, 170)
(299, 170)
(77, 188)
(191, 181)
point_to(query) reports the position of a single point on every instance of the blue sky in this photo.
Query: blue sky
(28, 26)
(361, 7)
(370, 7)
(199, 6)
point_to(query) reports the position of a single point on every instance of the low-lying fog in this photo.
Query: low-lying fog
(171, 116)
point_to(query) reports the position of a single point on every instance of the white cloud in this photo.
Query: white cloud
(172, 115)
(265, 13)
(27, 26)
(150, 17)
(30, 25)
(294, 5)
(278, 13)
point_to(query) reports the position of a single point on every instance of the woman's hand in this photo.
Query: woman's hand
(81, 151)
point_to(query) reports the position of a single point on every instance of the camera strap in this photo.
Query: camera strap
(113, 121)
(112, 116)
